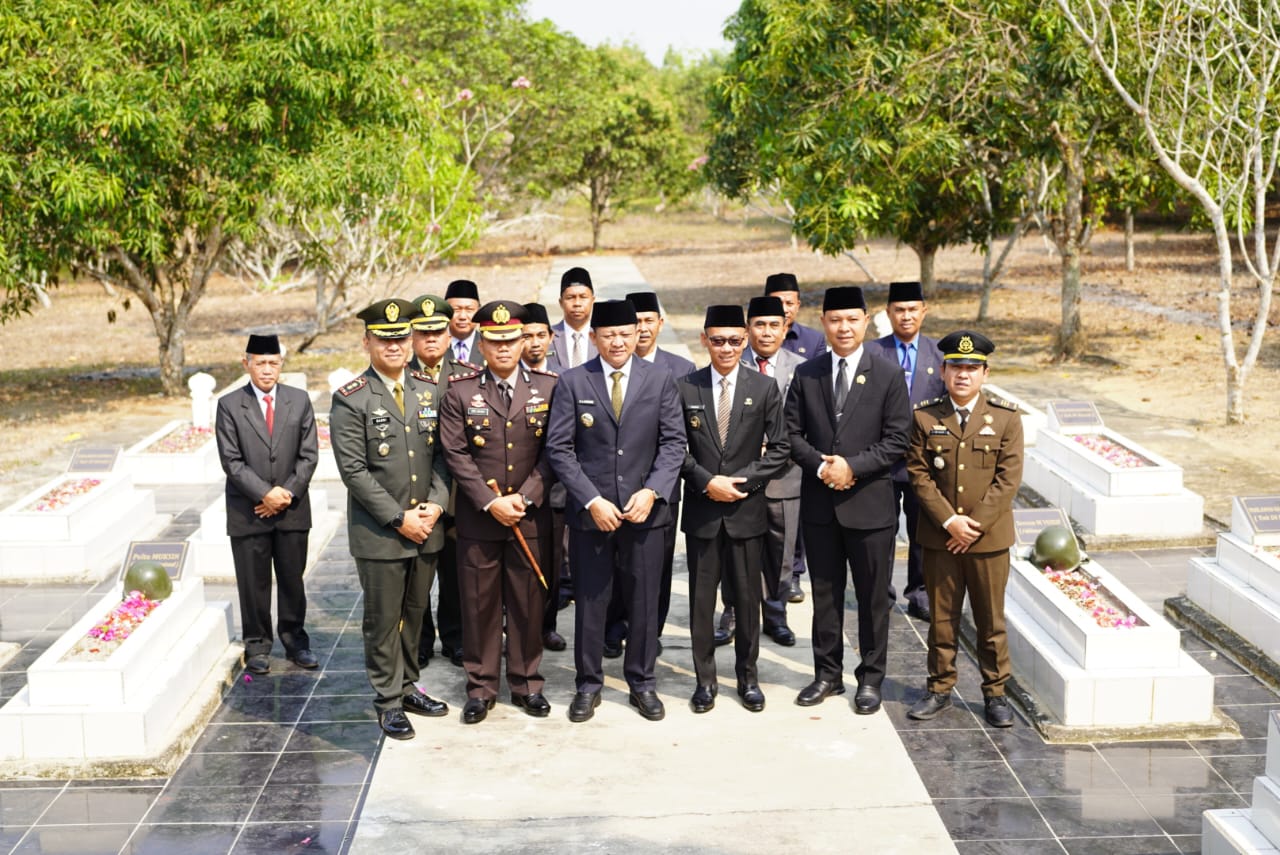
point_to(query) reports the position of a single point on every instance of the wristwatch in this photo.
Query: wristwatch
(397, 520)
(528, 503)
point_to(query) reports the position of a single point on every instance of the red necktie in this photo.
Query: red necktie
(271, 414)
(764, 365)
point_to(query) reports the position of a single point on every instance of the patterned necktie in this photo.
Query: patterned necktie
(842, 387)
(615, 395)
(578, 354)
(398, 391)
(723, 408)
(764, 365)
(462, 351)
(271, 415)
(963, 413)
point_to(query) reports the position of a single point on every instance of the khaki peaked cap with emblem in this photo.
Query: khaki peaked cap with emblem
(501, 320)
(388, 318)
(965, 347)
(432, 314)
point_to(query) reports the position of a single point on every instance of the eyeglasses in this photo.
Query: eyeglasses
(721, 341)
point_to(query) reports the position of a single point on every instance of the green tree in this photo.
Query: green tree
(138, 137)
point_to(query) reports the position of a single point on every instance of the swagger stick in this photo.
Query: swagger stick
(524, 544)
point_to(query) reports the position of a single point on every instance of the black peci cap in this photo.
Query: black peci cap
(576, 276)
(765, 307)
(645, 301)
(781, 282)
(463, 289)
(845, 297)
(724, 316)
(536, 313)
(260, 345)
(612, 313)
(905, 292)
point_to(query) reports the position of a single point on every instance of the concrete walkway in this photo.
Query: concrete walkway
(789, 779)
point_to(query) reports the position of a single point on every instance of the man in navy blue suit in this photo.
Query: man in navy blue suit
(573, 333)
(921, 364)
(616, 440)
(848, 418)
(801, 340)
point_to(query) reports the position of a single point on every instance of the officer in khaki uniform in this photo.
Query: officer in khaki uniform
(493, 432)
(384, 436)
(965, 465)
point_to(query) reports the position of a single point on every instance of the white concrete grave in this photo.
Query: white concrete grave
(1089, 675)
(210, 556)
(1255, 829)
(1240, 585)
(129, 705)
(1033, 420)
(178, 453)
(1106, 496)
(80, 535)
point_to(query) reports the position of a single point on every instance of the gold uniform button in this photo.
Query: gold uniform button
(508, 424)
(959, 510)
(406, 428)
(511, 445)
(961, 467)
(510, 467)
(962, 445)
(411, 452)
(960, 489)
(413, 477)
(413, 501)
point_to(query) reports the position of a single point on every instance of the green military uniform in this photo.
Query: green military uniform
(389, 463)
(972, 471)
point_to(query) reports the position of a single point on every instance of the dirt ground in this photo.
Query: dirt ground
(1155, 368)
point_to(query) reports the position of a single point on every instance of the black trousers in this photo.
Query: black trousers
(915, 590)
(448, 618)
(739, 560)
(835, 551)
(254, 556)
(629, 559)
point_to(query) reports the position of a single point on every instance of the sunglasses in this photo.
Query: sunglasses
(721, 341)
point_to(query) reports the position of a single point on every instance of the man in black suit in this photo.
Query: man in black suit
(848, 418)
(463, 298)
(730, 413)
(616, 440)
(921, 363)
(267, 444)
(433, 357)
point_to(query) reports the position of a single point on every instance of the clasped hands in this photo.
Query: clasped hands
(419, 521)
(964, 531)
(607, 517)
(835, 472)
(276, 500)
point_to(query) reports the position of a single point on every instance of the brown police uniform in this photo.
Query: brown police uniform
(484, 438)
(976, 472)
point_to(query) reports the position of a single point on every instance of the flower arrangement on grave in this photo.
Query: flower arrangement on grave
(183, 439)
(1111, 451)
(63, 494)
(1091, 597)
(147, 584)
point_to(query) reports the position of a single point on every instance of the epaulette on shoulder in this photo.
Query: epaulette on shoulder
(543, 372)
(474, 368)
(354, 386)
(421, 375)
(1002, 403)
(931, 402)
(471, 376)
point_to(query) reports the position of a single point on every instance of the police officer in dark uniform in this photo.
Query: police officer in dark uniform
(433, 356)
(965, 463)
(384, 434)
(493, 432)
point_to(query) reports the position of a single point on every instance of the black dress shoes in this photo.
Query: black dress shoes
(721, 637)
(998, 712)
(304, 659)
(453, 654)
(752, 697)
(583, 706)
(929, 706)
(395, 723)
(920, 611)
(817, 692)
(782, 635)
(533, 704)
(424, 659)
(649, 705)
(795, 594)
(704, 698)
(553, 641)
(475, 710)
(420, 703)
(258, 664)
(866, 700)
(612, 649)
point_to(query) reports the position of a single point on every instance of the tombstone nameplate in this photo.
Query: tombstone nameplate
(171, 554)
(1074, 417)
(94, 459)
(1029, 522)
(1256, 519)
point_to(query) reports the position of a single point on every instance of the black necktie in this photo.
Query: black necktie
(842, 386)
(505, 389)
(963, 413)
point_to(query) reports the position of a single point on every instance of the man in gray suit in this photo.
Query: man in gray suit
(384, 428)
(921, 364)
(574, 345)
(267, 444)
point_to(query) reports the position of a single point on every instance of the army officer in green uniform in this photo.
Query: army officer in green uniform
(384, 427)
(965, 465)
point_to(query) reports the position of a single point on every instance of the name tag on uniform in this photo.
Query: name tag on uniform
(938, 429)
(477, 411)
(587, 402)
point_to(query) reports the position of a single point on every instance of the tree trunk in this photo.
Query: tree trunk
(988, 279)
(173, 355)
(1068, 234)
(1071, 337)
(599, 208)
(1128, 240)
(926, 254)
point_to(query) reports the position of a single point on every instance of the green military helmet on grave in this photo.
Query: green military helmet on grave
(150, 578)
(1056, 549)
